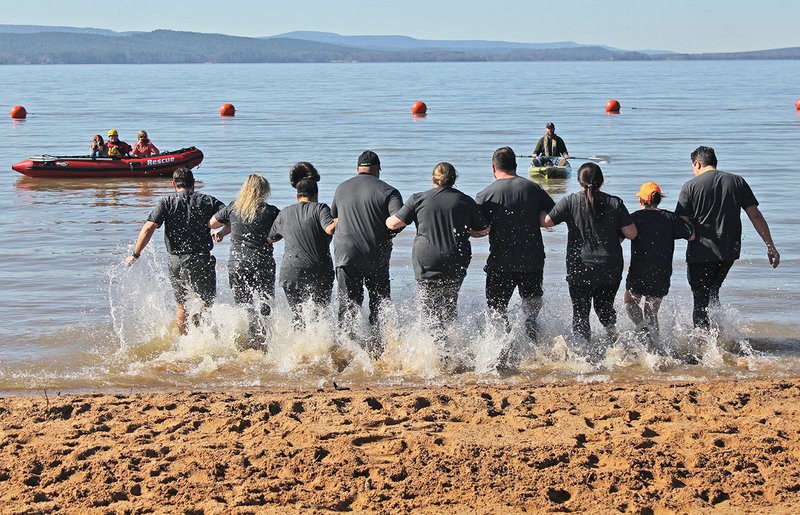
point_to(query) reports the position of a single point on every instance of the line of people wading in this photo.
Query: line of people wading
(366, 213)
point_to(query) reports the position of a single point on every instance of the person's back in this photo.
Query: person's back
(592, 240)
(185, 215)
(249, 239)
(714, 201)
(652, 250)
(444, 217)
(361, 204)
(512, 207)
(306, 244)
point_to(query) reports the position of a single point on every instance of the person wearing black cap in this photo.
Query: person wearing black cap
(550, 149)
(362, 246)
(187, 236)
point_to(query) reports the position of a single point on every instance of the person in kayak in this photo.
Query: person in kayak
(306, 268)
(446, 219)
(550, 149)
(650, 268)
(98, 147)
(143, 146)
(251, 265)
(596, 223)
(185, 215)
(117, 147)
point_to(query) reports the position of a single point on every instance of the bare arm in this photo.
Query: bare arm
(481, 233)
(332, 227)
(395, 223)
(545, 220)
(141, 242)
(761, 227)
(630, 231)
(214, 223)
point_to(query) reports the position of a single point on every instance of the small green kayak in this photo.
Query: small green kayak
(551, 170)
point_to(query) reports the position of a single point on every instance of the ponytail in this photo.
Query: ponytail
(590, 177)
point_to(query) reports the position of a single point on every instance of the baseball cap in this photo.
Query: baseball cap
(112, 132)
(551, 126)
(647, 190)
(369, 158)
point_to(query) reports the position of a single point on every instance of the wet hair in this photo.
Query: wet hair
(255, 190)
(183, 178)
(505, 159)
(705, 156)
(590, 177)
(444, 175)
(655, 200)
(302, 170)
(307, 187)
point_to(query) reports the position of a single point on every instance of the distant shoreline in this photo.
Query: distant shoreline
(173, 47)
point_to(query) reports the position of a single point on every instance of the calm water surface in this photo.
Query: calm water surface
(72, 317)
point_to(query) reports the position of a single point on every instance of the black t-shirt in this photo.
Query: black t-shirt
(444, 217)
(713, 202)
(652, 249)
(249, 239)
(593, 243)
(186, 215)
(306, 244)
(512, 208)
(362, 204)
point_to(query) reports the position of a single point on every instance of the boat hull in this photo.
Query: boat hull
(550, 171)
(80, 167)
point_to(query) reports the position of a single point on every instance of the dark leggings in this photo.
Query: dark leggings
(705, 280)
(583, 295)
(253, 284)
(439, 302)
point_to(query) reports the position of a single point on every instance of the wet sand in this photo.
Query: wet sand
(633, 448)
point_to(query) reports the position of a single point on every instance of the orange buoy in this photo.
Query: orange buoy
(227, 110)
(419, 107)
(797, 105)
(612, 106)
(18, 112)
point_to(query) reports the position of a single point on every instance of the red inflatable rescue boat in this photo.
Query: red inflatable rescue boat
(69, 167)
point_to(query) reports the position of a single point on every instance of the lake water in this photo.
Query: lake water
(72, 317)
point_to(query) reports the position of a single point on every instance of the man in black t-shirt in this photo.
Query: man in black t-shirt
(713, 202)
(362, 246)
(513, 206)
(187, 236)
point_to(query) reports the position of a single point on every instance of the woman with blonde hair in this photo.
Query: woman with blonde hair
(143, 146)
(445, 220)
(251, 266)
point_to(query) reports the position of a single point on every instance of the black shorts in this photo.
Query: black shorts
(654, 286)
(193, 273)
(500, 286)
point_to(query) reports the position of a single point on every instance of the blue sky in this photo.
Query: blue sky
(680, 25)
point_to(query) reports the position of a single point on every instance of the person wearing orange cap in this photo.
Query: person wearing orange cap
(116, 147)
(650, 268)
(713, 201)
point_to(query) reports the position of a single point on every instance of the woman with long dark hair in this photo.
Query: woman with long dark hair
(597, 224)
(251, 266)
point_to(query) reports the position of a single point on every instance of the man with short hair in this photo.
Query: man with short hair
(362, 245)
(188, 239)
(513, 207)
(550, 149)
(712, 202)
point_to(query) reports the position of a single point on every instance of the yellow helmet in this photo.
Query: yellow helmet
(113, 132)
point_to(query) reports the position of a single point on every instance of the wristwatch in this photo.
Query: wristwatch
(135, 255)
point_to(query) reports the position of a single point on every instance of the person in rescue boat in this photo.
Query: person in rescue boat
(143, 146)
(117, 147)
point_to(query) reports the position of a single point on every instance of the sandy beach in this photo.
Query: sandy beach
(632, 448)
